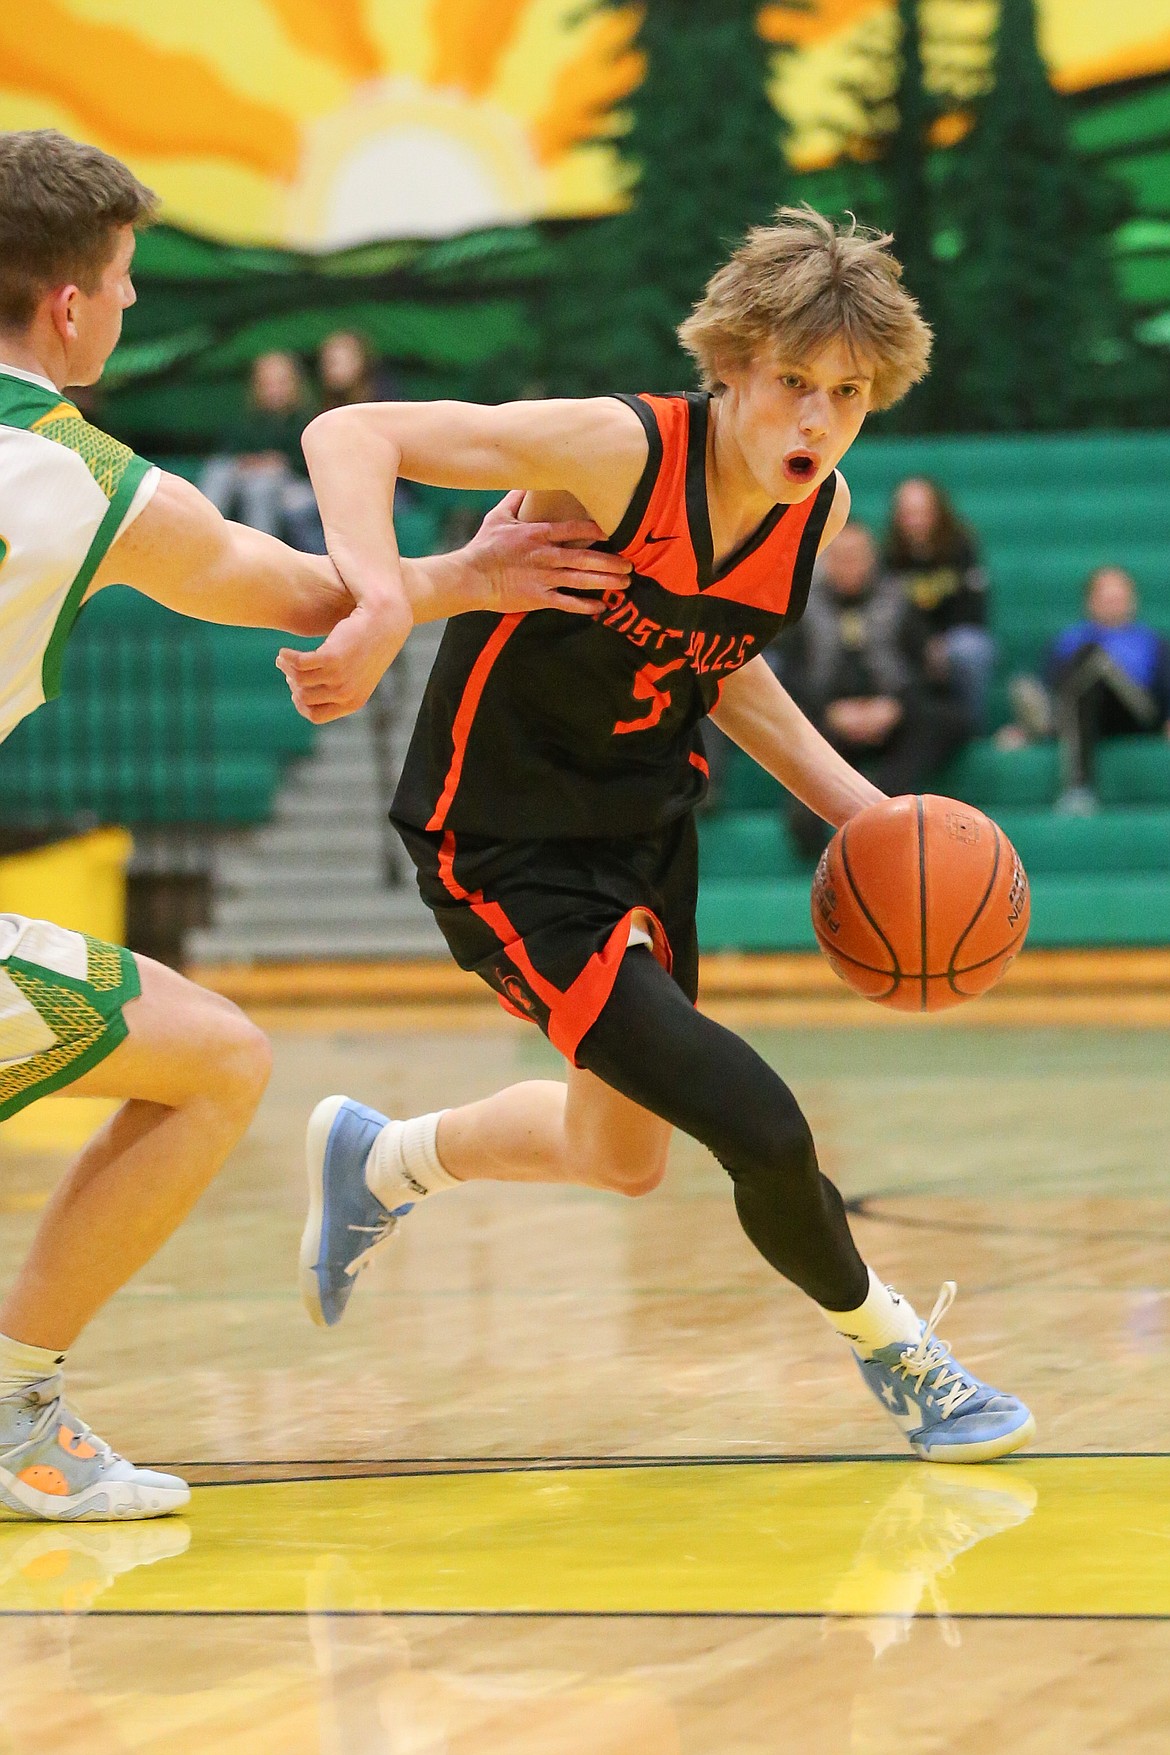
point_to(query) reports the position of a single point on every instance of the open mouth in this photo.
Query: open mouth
(800, 466)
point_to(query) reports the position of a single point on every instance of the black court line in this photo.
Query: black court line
(862, 1207)
(561, 1615)
(421, 1468)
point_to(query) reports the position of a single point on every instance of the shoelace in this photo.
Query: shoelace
(932, 1354)
(379, 1235)
(52, 1414)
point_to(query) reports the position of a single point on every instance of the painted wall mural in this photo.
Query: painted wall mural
(323, 123)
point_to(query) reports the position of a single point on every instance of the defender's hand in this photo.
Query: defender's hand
(342, 674)
(523, 567)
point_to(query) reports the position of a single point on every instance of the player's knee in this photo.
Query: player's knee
(783, 1159)
(634, 1181)
(640, 1180)
(622, 1173)
(242, 1060)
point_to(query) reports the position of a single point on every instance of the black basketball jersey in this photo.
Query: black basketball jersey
(553, 725)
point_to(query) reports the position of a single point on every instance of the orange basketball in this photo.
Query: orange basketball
(920, 903)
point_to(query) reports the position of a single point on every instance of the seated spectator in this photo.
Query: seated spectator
(858, 664)
(934, 557)
(347, 372)
(1107, 676)
(259, 476)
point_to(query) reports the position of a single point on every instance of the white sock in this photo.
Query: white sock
(883, 1319)
(22, 1365)
(404, 1163)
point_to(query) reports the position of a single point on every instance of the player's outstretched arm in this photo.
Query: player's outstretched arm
(593, 451)
(757, 712)
(182, 553)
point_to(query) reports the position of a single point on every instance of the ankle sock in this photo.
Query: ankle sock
(884, 1318)
(404, 1163)
(22, 1365)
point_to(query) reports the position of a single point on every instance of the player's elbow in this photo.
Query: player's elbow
(338, 429)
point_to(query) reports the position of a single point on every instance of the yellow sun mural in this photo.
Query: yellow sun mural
(321, 123)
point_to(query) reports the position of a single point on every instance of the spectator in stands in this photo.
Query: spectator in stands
(935, 558)
(259, 476)
(1106, 676)
(859, 663)
(347, 372)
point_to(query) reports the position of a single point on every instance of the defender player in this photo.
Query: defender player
(79, 511)
(548, 794)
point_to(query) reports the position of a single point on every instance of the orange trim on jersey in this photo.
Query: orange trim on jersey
(662, 546)
(493, 915)
(580, 1008)
(764, 580)
(468, 707)
(571, 1015)
(700, 762)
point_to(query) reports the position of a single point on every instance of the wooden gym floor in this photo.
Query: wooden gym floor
(577, 1476)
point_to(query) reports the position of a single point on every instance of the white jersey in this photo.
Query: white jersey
(67, 492)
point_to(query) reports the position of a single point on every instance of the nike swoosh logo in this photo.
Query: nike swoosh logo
(650, 538)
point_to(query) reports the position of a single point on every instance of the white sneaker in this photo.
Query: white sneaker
(53, 1466)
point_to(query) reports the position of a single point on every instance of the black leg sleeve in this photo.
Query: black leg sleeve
(654, 1047)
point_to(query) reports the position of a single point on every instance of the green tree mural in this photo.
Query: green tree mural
(703, 160)
(1032, 302)
(888, 173)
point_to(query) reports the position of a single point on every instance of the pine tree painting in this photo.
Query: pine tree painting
(702, 160)
(1032, 301)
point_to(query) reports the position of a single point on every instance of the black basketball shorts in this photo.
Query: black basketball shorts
(546, 923)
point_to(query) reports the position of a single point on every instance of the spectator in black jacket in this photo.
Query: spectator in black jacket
(935, 558)
(858, 663)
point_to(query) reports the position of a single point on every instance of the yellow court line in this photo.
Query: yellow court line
(1083, 1536)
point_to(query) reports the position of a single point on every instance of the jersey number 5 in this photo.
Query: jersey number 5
(646, 688)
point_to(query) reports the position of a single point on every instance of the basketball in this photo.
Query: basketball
(920, 903)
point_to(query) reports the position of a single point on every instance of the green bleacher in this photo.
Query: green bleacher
(1047, 510)
(165, 721)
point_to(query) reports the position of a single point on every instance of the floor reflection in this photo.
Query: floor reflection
(930, 1518)
(339, 1676)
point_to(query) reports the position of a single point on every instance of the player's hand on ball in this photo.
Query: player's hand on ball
(538, 566)
(343, 672)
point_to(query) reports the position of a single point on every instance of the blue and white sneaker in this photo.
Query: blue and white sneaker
(946, 1414)
(347, 1224)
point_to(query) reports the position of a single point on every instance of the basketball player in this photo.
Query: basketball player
(549, 792)
(78, 511)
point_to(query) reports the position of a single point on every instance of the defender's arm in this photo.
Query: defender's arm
(182, 553)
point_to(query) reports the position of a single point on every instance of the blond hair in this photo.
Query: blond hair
(61, 206)
(795, 287)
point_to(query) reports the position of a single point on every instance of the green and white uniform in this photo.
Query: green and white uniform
(67, 492)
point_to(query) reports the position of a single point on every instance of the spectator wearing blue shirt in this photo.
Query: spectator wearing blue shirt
(1109, 676)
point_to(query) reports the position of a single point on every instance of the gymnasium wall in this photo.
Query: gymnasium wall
(304, 148)
(314, 124)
